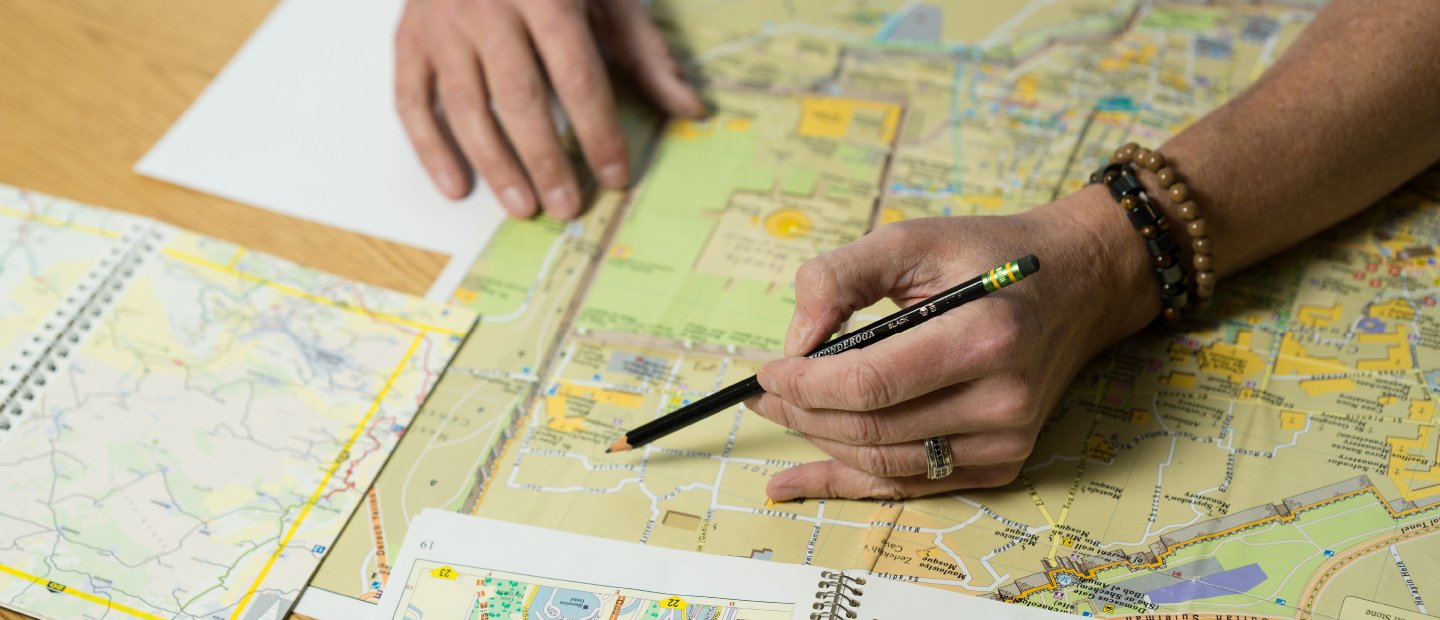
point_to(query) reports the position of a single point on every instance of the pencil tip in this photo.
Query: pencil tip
(620, 445)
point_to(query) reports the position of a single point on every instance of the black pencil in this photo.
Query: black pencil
(975, 288)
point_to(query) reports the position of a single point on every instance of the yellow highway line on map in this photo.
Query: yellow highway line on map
(45, 219)
(235, 259)
(289, 290)
(334, 465)
(1044, 512)
(64, 589)
(534, 589)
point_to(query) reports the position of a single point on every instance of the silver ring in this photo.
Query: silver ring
(939, 461)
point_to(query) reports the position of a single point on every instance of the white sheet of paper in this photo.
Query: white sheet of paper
(301, 121)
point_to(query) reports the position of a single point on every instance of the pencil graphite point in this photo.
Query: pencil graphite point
(620, 445)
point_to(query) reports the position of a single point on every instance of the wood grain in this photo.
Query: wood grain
(87, 86)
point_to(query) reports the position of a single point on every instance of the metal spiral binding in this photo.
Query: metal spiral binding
(837, 597)
(22, 381)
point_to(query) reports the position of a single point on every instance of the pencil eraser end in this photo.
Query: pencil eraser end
(1029, 265)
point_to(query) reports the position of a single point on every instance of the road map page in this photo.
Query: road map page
(203, 421)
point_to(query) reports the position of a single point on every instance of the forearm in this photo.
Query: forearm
(1343, 118)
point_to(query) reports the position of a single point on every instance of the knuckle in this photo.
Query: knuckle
(1017, 405)
(581, 81)
(812, 272)
(861, 429)
(478, 7)
(547, 168)
(1012, 447)
(555, 5)
(887, 488)
(608, 148)
(443, 13)
(997, 476)
(549, 15)
(792, 388)
(408, 34)
(518, 92)
(409, 101)
(901, 233)
(866, 387)
(497, 170)
(459, 99)
(998, 341)
(783, 413)
(876, 461)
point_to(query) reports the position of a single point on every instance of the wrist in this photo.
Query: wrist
(1108, 277)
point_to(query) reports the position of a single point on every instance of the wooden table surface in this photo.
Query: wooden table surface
(87, 86)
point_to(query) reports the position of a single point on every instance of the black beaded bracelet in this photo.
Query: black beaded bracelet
(1155, 229)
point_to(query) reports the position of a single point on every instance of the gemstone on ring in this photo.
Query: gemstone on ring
(939, 461)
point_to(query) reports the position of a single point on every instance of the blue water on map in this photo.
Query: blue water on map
(551, 603)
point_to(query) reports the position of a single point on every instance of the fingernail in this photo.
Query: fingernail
(765, 379)
(753, 404)
(449, 183)
(561, 202)
(613, 175)
(514, 201)
(779, 491)
(799, 334)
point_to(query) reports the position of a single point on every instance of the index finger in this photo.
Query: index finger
(832, 286)
(957, 346)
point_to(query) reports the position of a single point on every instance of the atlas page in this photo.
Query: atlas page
(186, 425)
(458, 566)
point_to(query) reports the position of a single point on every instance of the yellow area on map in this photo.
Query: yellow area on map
(788, 223)
(834, 117)
(1422, 411)
(558, 407)
(1413, 464)
(1235, 362)
(1397, 350)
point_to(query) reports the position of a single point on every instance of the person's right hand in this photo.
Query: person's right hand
(984, 376)
(481, 59)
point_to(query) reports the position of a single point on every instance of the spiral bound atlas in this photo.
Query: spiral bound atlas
(168, 400)
(445, 552)
(46, 352)
(838, 596)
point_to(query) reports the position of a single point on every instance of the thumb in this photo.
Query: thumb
(832, 286)
(829, 479)
(631, 36)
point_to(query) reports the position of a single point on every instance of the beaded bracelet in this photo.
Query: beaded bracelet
(1179, 194)
(1155, 229)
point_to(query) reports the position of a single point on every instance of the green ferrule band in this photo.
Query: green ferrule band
(1002, 276)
